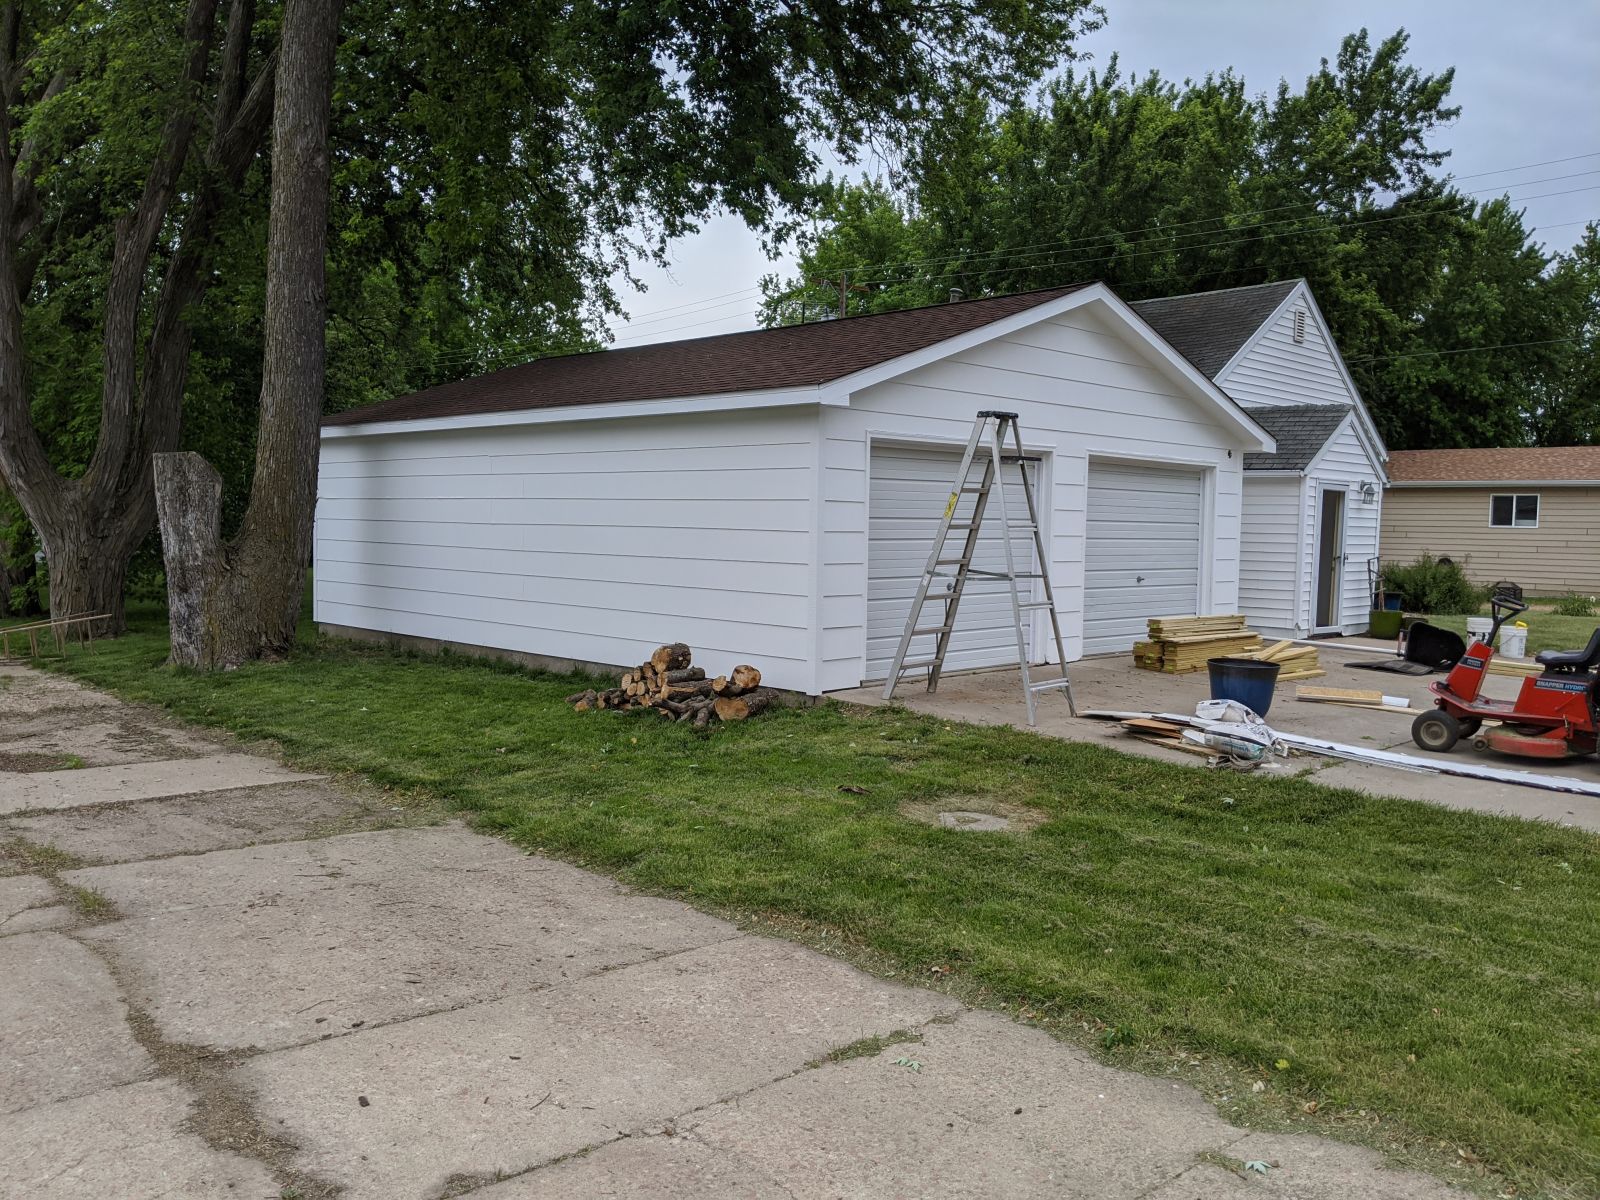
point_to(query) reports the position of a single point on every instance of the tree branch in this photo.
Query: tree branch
(233, 149)
(136, 235)
(235, 55)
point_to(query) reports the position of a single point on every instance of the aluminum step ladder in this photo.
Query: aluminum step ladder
(987, 444)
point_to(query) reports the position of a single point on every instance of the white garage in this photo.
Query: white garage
(771, 496)
(1142, 557)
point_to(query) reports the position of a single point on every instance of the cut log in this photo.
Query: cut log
(687, 675)
(745, 677)
(740, 708)
(702, 716)
(627, 680)
(671, 658)
(680, 691)
(719, 684)
(576, 697)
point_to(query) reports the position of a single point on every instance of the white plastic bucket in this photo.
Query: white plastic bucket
(1514, 641)
(1478, 628)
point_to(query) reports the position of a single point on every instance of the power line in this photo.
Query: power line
(1065, 244)
(978, 263)
(1371, 358)
(1549, 162)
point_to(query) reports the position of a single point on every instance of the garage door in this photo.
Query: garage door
(909, 492)
(1143, 554)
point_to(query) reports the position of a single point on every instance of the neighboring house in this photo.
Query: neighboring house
(1530, 516)
(771, 496)
(1310, 521)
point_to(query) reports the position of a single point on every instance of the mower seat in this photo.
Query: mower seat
(1572, 660)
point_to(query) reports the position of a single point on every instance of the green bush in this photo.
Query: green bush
(1574, 605)
(1433, 587)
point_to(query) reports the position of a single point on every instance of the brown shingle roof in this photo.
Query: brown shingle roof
(1551, 463)
(1208, 328)
(759, 360)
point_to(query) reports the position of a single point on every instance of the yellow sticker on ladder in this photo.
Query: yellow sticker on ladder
(951, 507)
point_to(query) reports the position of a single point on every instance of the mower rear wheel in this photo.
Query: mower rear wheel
(1437, 731)
(1469, 725)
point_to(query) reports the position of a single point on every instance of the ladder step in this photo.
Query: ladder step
(1020, 458)
(974, 489)
(1050, 685)
(930, 629)
(1028, 605)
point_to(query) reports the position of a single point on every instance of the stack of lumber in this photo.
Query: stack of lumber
(1294, 660)
(1181, 644)
(1355, 698)
(668, 684)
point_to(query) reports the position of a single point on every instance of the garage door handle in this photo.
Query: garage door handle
(1138, 578)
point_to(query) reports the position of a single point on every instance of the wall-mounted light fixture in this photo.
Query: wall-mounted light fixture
(1369, 493)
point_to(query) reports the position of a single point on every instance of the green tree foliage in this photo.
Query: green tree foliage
(493, 166)
(1567, 400)
(1160, 189)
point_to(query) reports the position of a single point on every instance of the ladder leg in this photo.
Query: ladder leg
(997, 451)
(1046, 588)
(930, 571)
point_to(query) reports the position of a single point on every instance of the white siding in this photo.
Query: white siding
(1279, 370)
(593, 541)
(1269, 552)
(1081, 388)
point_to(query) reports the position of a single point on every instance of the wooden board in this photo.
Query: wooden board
(1145, 725)
(1361, 695)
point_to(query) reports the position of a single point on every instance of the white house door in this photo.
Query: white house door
(909, 489)
(1330, 558)
(1142, 557)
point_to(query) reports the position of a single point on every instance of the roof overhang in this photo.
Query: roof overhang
(568, 413)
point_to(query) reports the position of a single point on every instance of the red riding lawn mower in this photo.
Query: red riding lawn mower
(1556, 713)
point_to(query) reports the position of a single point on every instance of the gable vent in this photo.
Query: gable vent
(1299, 325)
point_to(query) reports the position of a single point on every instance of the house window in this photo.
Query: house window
(1518, 512)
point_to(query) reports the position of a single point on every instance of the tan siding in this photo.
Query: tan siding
(1561, 555)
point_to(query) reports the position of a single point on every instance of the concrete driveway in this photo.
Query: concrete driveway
(220, 977)
(1112, 682)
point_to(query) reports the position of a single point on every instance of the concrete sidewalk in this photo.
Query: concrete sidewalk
(221, 978)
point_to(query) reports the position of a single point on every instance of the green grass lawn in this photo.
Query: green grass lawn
(1430, 978)
(1546, 630)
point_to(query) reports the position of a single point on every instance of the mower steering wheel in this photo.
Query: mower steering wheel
(1511, 604)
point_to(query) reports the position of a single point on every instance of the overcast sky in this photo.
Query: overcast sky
(1526, 78)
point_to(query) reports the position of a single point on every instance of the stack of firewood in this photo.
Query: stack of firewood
(677, 690)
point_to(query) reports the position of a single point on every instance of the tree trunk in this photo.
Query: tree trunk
(91, 526)
(230, 604)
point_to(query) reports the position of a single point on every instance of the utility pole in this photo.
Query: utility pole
(845, 288)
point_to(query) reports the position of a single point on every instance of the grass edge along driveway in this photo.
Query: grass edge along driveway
(1423, 980)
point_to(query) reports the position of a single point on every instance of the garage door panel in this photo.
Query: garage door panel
(909, 489)
(1142, 551)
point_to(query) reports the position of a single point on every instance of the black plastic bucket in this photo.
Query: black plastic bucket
(1249, 681)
